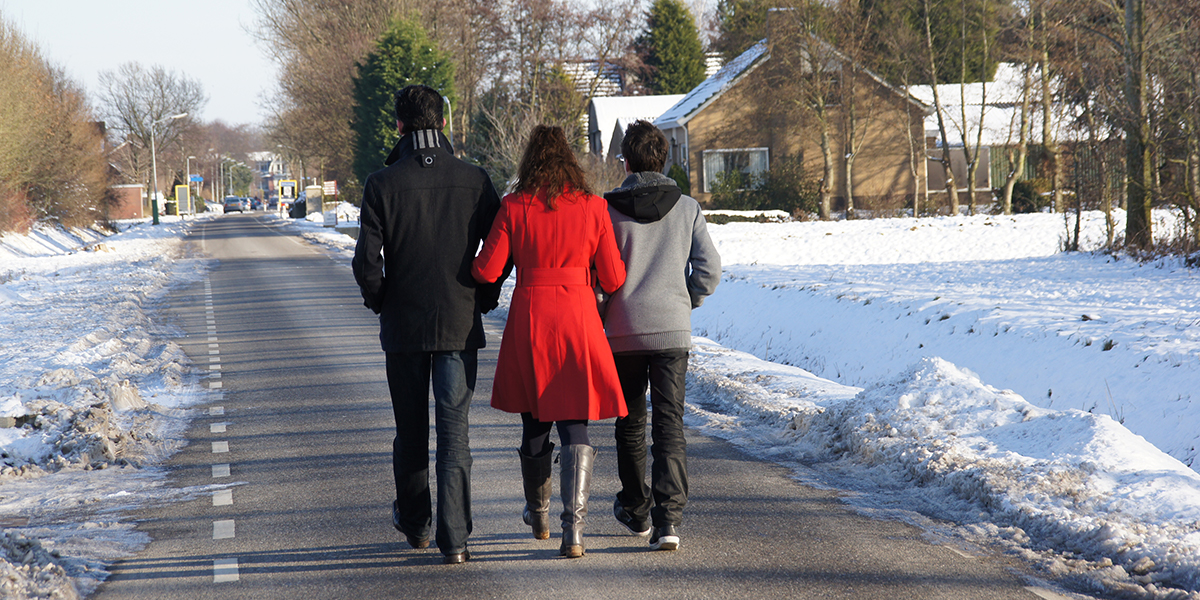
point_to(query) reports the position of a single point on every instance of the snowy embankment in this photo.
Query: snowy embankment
(92, 396)
(981, 378)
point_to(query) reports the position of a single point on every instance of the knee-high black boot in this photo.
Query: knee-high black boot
(535, 475)
(576, 487)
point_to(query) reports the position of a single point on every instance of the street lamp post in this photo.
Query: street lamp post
(154, 163)
(189, 184)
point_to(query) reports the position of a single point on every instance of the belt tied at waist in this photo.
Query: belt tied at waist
(554, 276)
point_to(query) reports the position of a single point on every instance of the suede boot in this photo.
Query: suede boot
(535, 476)
(576, 487)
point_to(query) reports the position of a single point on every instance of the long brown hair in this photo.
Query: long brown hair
(549, 165)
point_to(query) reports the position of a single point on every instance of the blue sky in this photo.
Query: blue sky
(208, 41)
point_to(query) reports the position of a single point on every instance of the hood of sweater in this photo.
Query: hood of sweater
(646, 196)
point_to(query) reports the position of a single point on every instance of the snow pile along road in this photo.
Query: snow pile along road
(915, 433)
(91, 394)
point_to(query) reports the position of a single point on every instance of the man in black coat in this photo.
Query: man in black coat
(422, 219)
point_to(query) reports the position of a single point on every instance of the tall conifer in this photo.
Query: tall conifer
(403, 56)
(674, 53)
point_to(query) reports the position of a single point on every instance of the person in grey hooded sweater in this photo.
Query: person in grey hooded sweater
(671, 266)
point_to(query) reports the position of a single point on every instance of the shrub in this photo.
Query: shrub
(786, 186)
(1026, 199)
(734, 190)
(680, 176)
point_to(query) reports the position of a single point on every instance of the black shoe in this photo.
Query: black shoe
(416, 541)
(456, 558)
(635, 525)
(664, 538)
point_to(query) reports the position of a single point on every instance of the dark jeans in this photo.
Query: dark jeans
(453, 377)
(666, 497)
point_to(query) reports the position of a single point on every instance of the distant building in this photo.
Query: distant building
(269, 170)
(608, 117)
(126, 202)
(587, 74)
(730, 122)
(993, 119)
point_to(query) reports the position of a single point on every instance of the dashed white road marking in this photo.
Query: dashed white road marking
(223, 530)
(225, 570)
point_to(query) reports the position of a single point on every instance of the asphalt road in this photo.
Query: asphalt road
(289, 486)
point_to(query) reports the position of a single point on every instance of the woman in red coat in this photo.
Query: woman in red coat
(555, 365)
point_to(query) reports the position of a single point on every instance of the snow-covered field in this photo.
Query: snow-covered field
(957, 373)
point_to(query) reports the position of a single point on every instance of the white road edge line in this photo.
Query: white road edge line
(220, 470)
(222, 498)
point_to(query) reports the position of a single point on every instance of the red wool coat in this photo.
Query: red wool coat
(554, 360)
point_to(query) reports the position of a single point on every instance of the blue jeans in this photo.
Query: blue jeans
(453, 376)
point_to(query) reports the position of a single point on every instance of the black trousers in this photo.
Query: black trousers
(666, 496)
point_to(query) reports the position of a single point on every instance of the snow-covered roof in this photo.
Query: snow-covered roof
(608, 111)
(1001, 117)
(711, 88)
(585, 73)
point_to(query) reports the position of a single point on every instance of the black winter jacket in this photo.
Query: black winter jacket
(423, 218)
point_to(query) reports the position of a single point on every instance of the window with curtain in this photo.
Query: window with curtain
(750, 161)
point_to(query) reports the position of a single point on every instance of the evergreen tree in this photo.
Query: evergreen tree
(743, 23)
(674, 53)
(402, 56)
(895, 22)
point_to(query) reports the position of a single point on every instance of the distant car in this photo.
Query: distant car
(256, 204)
(233, 203)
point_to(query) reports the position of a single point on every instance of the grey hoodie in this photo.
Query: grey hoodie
(671, 265)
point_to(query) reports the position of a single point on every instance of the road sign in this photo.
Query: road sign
(197, 179)
(287, 189)
(330, 188)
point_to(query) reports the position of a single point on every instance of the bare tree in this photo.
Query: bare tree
(133, 98)
(1018, 157)
(971, 151)
(803, 79)
(945, 159)
(318, 44)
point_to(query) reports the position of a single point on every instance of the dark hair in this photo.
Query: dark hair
(549, 165)
(644, 147)
(419, 107)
